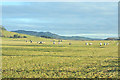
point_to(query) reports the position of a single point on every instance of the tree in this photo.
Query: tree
(15, 36)
(11, 37)
(19, 37)
(24, 36)
(46, 36)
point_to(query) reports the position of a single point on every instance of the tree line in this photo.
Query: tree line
(15, 36)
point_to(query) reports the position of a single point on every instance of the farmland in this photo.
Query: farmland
(59, 39)
(21, 59)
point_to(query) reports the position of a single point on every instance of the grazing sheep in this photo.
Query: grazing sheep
(53, 42)
(90, 43)
(86, 43)
(31, 41)
(69, 43)
(107, 44)
(58, 42)
(104, 43)
(100, 44)
(117, 44)
(40, 42)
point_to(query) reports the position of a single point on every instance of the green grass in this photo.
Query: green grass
(21, 59)
(32, 60)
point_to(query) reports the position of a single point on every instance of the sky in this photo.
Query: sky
(88, 19)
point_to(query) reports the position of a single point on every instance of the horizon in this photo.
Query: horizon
(84, 35)
(85, 19)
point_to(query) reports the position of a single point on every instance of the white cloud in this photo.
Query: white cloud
(63, 18)
(103, 36)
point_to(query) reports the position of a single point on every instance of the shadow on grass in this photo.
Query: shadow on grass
(38, 45)
(59, 56)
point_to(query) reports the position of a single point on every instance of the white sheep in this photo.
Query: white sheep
(58, 42)
(31, 41)
(70, 43)
(90, 43)
(107, 44)
(40, 42)
(100, 44)
(117, 44)
(104, 43)
(86, 43)
(53, 42)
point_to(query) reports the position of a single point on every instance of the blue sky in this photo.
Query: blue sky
(88, 19)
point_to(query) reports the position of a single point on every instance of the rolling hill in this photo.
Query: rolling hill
(47, 35)
(51, 35)
(6, 35)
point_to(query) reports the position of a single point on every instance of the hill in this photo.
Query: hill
(51, 35)
(38, 34)
(112, 38)
(7, 35)
(48, 35)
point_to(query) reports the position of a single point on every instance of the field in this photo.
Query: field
(22, 59)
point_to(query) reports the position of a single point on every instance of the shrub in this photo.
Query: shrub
(19, 37)
(24, 36)
(15, 36)
(46, 36)
(11, 37)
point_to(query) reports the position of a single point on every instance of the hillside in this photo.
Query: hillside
(47, 35)
(51, 35)
(6, 35)
(112, 38)
(38, 34)
(2, 28)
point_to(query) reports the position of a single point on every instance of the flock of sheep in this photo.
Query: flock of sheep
(59, 42)
(99, 44)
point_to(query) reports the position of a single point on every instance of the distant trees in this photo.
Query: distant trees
(112, 39)
(24, 36)
(4, 33)
(45, 36)
(17, 36)
(59, 40)
(14, 36)
(11, 37)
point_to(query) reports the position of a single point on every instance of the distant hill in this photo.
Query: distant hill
(23, 33)
(51, 35)
(38, 34)
(112, 38)
(8, 34)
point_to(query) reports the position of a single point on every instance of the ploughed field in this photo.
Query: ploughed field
(21, 59)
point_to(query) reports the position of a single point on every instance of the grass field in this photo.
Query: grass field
(22, 59)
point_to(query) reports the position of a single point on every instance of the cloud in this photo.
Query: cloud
(102, 36)
(62, 17)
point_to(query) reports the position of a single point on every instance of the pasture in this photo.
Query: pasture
(21, 59)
